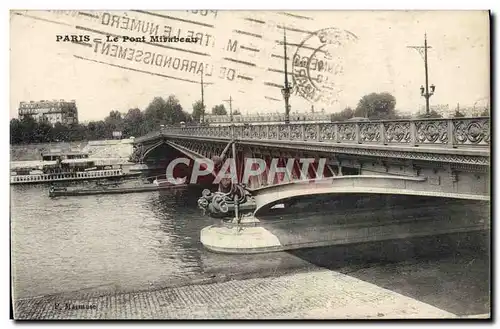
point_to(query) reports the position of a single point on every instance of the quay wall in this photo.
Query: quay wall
(32, 152)
(100, 149)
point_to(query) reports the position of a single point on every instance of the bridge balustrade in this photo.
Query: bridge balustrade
(450, 132)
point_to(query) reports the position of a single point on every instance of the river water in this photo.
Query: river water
(114, 243)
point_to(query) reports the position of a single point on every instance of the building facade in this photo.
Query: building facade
(64, 112)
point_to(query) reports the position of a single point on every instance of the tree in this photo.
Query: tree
(164, 112)
(43, 132)
(219, 110)
(343, 115)
(458, 114)
(486, 112)
(28, 129)
(16, 131)
(153, 114)
(175, 114)
(133, 123)
(376, 106)
(114, 122)
(77, 132)
(236, 112)
(197, 111)
(114, 116)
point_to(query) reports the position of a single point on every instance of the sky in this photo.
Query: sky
(372, 53)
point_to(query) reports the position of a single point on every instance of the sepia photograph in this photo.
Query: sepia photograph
(250, 164)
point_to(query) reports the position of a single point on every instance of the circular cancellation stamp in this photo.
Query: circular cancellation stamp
(318, 63)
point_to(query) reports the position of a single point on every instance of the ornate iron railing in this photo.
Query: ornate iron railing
(452, 132)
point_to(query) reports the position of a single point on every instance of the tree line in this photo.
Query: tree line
(160, 111)
(134, 123)
(382, 106)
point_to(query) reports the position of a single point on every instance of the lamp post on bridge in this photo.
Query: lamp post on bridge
(286, 90)
(230, 101)
(233, 149)
(424, 91)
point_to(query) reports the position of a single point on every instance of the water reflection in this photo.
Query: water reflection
(178, 229)
(119, 242)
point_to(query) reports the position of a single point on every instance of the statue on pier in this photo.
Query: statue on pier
(230, 195)
(220, 203)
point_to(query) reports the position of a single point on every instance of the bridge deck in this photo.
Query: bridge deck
(473, 150)
(410, 139)
(442, 133)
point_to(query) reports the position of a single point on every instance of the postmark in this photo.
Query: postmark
(318, 63)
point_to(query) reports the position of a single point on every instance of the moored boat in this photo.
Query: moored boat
(111, 189)
(69, 176)
(165, 182)
(69, 166)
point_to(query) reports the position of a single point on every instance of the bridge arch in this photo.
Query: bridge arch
(152, 148)
(357, 184)
(189, 153)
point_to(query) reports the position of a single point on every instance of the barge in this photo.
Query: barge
(111, 189)
(117, 188)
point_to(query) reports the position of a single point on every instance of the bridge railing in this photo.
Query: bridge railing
(452, 132)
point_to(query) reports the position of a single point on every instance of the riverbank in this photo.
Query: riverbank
(320, 294)
(72, 249)
(104, 149)
(455, 282)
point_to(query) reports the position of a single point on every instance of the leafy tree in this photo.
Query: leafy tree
(236, 112)
(219, 110)
(43, 132)
(101, 131)
(76, 132)
(92, 133)
(175, 113)
(134, 123)
(60, 133)
(197, 111)
(154, 113)
(164, 112)
(16, 131)
(28, 128)
(343, 115)
(114, 116)
(376, 106)
(486, 112)
(114, 121)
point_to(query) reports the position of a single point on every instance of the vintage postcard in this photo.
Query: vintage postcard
(207, 164)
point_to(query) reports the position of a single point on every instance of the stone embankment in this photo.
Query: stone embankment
(320, 294)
